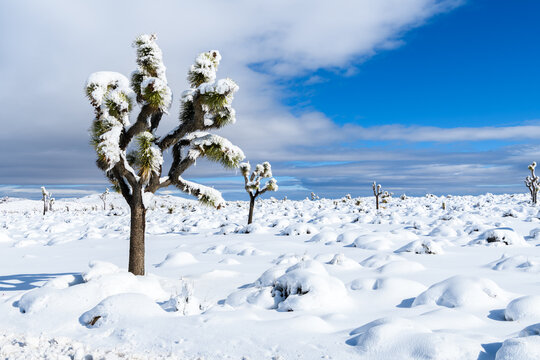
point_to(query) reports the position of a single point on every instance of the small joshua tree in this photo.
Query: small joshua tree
(47, 199)
(137, 170)
(253, 183)
(377, 191)
(314, 196)
(532, 182)
(103, 198)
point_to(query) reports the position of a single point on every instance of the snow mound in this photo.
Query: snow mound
(422, 247)
(392, 285)
(307, 286)
(373, 242)
(500, 237)
(349, 236)
(78, 296)
(253, 228)
(304, 286)
(176, 259)
(379, 260)
(444, 231)
(125, 308)
(525, 347)
(99, 269)
(516, 262)
(523, 308)
(462, 291)
(299, 229)
(399, 338)
(326, 236)
(343, 261)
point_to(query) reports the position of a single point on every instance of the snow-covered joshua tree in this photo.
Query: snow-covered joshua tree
(533, 182)
(253, 183)
(377, 191)
(47, 199)
(103, 198)
(135, 170)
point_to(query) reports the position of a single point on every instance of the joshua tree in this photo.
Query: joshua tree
(103, 198)
(47, 199)
(377, 191)
(532, 182)
(135, 171)
(253, 183)
(314, 196)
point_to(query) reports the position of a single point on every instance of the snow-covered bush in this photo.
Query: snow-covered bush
(533, 182)
(205, 106)
(499, 237)
(253, 183)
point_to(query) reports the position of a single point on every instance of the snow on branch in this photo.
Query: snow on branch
(215, 148)
(206, 195)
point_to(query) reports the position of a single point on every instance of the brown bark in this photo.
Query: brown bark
(136, 237)
(251, 206)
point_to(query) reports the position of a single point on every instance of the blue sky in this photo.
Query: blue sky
(477, 65)
(422, 96)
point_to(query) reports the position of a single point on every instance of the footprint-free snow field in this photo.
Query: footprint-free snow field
(324, 279)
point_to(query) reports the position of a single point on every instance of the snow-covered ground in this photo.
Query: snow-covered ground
(325, 279)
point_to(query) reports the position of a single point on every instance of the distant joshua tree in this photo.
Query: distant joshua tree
(47, 199)
(377, 191)
(137, 169)
(253, 183)
(314, 196)
(103, 198)
(532, 182)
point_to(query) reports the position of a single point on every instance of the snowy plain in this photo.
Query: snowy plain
(324, 279)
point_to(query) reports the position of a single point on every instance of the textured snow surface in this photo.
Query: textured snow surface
(317, 279)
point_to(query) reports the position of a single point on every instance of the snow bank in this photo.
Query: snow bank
(500, 237)
(307, 286)
(525, 307)
(462, 291)
(399, 338)
(516, 262)
(128, 309)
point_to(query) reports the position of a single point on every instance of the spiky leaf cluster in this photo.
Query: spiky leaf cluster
(149, 81)
(148, 157)
(112, 99)
(204, 69)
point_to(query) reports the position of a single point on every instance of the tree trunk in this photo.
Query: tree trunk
(377, 202)
(251, 206)
(136, 237)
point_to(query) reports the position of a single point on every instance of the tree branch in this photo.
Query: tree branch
(197, 123)
(140, 125)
